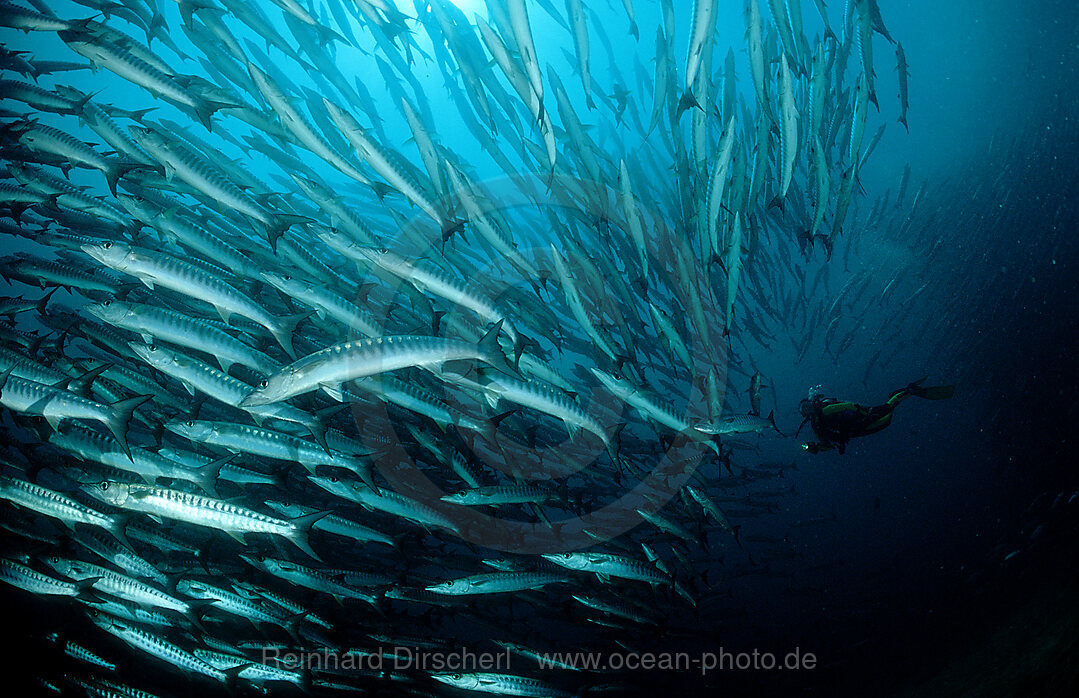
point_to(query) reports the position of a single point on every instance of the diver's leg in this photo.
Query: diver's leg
(878, 418)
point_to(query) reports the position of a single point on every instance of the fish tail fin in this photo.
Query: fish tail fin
(772, 419)
(276, 229)
(118, 532)
(118, 170)
(634, 31)
(302, 527)
(687, 101)
(44, 300)
(318, 427)
(85, 590)
(284, 329)
(328, 35)
(491, 350)
(209, 473)
(207, 108)
(120, 415)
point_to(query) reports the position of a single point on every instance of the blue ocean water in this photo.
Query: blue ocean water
(932, 557)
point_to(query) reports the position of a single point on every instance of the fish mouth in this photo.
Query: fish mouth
(92, 250)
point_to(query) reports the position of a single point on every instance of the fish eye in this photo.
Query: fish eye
(189, 423)
(383, 250)
(106, 304)
(333, 479)
(107, 245)
(263, 383)
(287, 277)
(104, 485)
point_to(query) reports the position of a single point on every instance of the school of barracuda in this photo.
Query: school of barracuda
(314, 385)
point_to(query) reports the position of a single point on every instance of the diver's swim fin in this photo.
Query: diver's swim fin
(938, 392)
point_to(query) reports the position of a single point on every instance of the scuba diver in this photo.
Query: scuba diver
(835, 423)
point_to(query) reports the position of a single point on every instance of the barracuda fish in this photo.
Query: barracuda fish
(119, 555)
(755, 45)
(608, 565)
(540, 397)
(334, 524)
(17, 17)
(650, 409)
(903, 73)
(309, 578)
(295, 123)
(386, 501)
(118, 585)
(133, 68)
(45, 501)
(700, 41)
(339, 364)
(241, 438)
(427, 280)
(716, 185)
(249, 671)
(496, 583)
(575, 11)
(382, 161)
(147, 464)
(155, 268)
(41, 138)
(503, 684)
(738, 424)
(711, 509)
(180, 162)
(233, 519)
(176, 228)
(754, 391)
(29, 579)
(76, 651)
(500, 494)
(154, 324)
(56, 405)
(197, 376)
(734, 270)
(823, 184)
(633, 218)
(788, 129)
(161, 648)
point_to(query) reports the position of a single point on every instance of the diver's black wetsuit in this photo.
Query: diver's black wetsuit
(835, 423)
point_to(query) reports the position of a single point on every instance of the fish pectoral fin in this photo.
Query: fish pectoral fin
(334, 390)
(238, 535)
(225, 313)
(147, 282)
